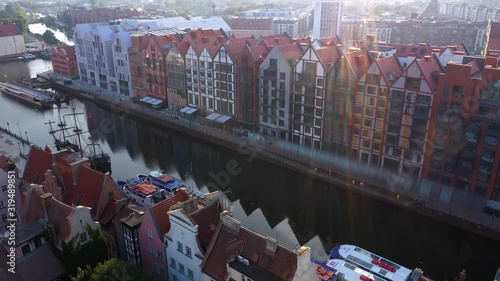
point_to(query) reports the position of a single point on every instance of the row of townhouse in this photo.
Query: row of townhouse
(180, 238)
(374, 103)
(185, 238)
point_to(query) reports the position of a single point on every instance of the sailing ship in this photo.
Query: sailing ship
(99, 161)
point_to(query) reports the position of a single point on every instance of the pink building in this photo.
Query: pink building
(64, 61)
(155, 224)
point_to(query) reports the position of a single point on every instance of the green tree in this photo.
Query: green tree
(73, 255)
(111, 270)
(49, 38)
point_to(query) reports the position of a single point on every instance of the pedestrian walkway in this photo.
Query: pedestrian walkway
(13, 148)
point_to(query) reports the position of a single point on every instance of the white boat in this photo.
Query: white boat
(27, 57)
(376, 264)
(144, 192)
(348, 271)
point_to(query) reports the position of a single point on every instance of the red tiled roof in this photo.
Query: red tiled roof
(428, 66)
(207, 219)
(251, 40)
(159, 211)
(276, 40)
(236, 48)
(9, 30)
(39, 161)
(333, 40)
(39, 265)
(251, 24)
(259, 52)
(390, 65)
(251, 246)
(359, 62)
(328, 55)
(291, 51)
(88, 189)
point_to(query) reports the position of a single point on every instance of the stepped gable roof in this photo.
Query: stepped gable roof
(40, 264)
(159, 211)
(251, 24)
(207, 219)
(228, 243)
(9, 30)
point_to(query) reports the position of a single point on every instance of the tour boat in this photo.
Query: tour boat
(376, 264)
(344, 270)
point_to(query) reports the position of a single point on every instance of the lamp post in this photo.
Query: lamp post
(20, 134)
(8, 128)
(26, 133)
(19, 145)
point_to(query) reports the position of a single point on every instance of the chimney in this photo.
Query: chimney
(422, 44)
(493, 61)
(370, 37)
(304, 269)
(427, 58)
(119, 204)
(277, 40)
(46, 200)
(358, 59)
(230, 222)
(271, 246)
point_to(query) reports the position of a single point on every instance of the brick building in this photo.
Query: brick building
(64, 61)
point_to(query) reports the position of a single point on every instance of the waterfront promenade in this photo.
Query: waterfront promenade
(14, 147)
(335, 172)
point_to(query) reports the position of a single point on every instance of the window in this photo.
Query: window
(159, 255)
(1, 204)
(190, 274)
(26, 249)
(367, 123)
(172, 263)
(412, 83)
(188, 251)
(4, 188)
(179, 247)
(83, 238)
(4, 217)
(181, 268)
(282, 76)
(174, 278)
(150, 233)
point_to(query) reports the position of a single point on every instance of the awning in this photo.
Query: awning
(152, 101)
(219, 118)
(213, 116)
(188, 110)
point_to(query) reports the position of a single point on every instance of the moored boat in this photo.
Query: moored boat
(337, 269)
(376, 264)
(37, 98)
(27, 56)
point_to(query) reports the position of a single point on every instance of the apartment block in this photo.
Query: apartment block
(309, 90)
(327, 18)
(64, 61)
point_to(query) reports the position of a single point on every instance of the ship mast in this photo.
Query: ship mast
(77, 130)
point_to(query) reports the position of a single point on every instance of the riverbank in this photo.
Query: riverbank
(478, 223)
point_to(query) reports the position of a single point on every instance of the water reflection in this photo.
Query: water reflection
(299, 210)
(40, 28)
(288, 206)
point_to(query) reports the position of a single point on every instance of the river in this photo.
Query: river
(290, 207)
(40, 28)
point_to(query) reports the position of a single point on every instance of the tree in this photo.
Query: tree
(73, 255)
(111, 270)
(49, 38)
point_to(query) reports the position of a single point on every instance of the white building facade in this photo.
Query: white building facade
(327, 18)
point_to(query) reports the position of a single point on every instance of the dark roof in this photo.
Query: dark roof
(39, 265)
(159, 211)
(9, 30)
(207, 220)
(228, 243)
